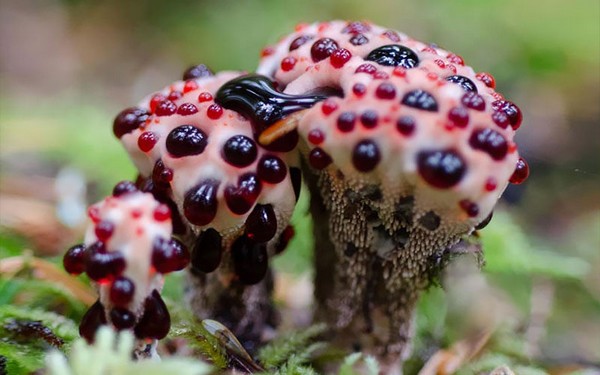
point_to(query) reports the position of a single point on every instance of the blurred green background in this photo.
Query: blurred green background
(67, 67)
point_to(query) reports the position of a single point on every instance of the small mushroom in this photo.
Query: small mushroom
(127, 249)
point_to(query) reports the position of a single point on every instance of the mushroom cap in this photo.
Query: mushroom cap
(411, 119)
(208, 159)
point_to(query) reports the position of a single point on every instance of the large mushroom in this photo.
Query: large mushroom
(409, 155)
(127, 249)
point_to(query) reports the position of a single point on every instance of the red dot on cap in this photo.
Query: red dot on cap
(316, 136)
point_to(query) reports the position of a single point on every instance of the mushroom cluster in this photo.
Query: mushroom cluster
(127, 249)
(405, 150)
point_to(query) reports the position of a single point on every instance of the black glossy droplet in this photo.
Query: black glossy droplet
(156, 321)
(465, 83)
(200, 202)
(207, 251)
(90, 322)
(240, 151)
(442, 168)
(485, 221)
(420, 99)
(74, 259)
(255, 97)
(186, 140)
(250, 260)
(490, 142)
(322, 49)
(296, 177)
(122, 318)
(240, 198)
(197, 71)
(430, 221)
(394, 55)
(300, 41)
(366, 155)
(261, 224)
(284, 239)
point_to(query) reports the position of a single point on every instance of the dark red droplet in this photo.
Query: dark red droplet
(489, 141)
(340, 57)
(366, 156)
(187, 109)
(174, 95)
(242, 197)
(91, 321)
(284, 239)
(366, 68)
(359, 40)
(316, 136)
(122, 318)
(386, 91)
(121, 291)
(356, 27)
(207, 251)
(459, 116)
(124, 187)
(470, 208)
(161, 175)
(322, 49)
(162, 212)
(197, 71)
(271, 169)
(487, 79)
(104, 230)
(369, 119)
(511, 110)
(490, 184)
(441, 168)
(261, 224)
(169, 255)
(240, 151)
(319, 159)
(392, 35)
(74, 259)
(473, 100)
(200, 203)
(359, 89)
(501, 119)
(165, 108)
(205, 97)
(128, 120)
(328, 106)
(345, 121)
(406, 125)
(250, 260)
(186, 140)
(521, 172)
(156, 321)
(102, 266)
(455, 59)
(299, 41)
(420, 99)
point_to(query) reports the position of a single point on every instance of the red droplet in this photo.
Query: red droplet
(386, 90)
(94, 214)
(440, 63)
(267, 51)
(399, 71)
(174, 95)
(392, 35)
(328, 107)
(381, 75)
(459, 116)
(147, 140)
(189, 85)
(104, 230)
(187, 109)
(155, 100)
(316, 136)
(165, 108)
(205, 97)
(319, 159)
(521, 172)
(162, 213)
(214, 111)
(491, 184)
(288, 63)
(471, 208)
(340, 57)
(455, 59)
(366, 68)
(487, 79)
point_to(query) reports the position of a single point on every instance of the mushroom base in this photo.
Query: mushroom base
(368, 276)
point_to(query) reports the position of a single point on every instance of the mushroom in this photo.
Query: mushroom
(411, 155)
(127, 249)
(232, 198)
